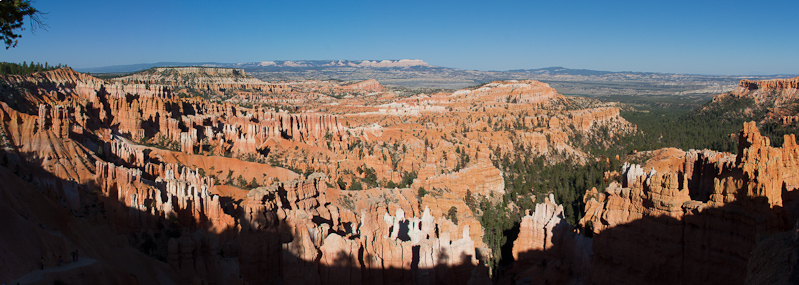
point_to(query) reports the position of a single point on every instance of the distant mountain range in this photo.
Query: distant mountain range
(267, 65)
(128, 68)
(417, 73)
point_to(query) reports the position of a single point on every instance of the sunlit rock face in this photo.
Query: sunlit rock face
(695, 214)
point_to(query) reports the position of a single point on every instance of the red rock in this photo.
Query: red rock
(698, 219)
(370, 85)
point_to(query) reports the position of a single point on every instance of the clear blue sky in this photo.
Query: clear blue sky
(704, 37)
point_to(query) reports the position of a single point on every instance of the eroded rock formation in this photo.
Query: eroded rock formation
(695, 215)
(81, 145)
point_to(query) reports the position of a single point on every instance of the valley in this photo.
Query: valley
(255, 174)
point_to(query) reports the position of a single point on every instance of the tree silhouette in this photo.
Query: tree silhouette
(12, 15)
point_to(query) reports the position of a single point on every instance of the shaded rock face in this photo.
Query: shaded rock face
(681, 217)
(698, 220)
(547, 249)
(775, 259)
(287, 230)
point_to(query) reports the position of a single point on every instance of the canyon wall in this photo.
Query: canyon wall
(779, 96)
(680, 216)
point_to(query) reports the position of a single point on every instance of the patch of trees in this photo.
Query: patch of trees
(530, 178)
(776, 130)
(708, 127)
(370, 179)
(25, 68)
(462, 158)
(452, 215)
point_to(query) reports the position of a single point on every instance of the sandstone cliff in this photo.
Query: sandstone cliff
(693, 215)
(524, 92)
(777, 98)
(202, 78)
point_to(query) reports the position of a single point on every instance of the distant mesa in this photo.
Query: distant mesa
(777, 97)
(215, 79)
(390, 63)
(416, 73)
(340, 63)
(790, 83)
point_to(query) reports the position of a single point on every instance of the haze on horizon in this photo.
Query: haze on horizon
(698, 37)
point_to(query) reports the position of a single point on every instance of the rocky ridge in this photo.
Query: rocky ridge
(693, 215)
(778, 98)
(202, 78)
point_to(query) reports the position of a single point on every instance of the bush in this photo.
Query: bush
(421, 193)
(355, 185)
(452, 214)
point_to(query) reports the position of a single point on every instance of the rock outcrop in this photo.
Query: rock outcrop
(370, 85)
(548, 249)
(778, 98)
(792, 83)
(202, 78)
(526, 92)
(697, 220)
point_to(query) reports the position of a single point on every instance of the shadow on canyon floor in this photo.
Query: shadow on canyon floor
(185, 247)
(711, 246)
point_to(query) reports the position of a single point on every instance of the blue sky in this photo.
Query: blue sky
(702, 37)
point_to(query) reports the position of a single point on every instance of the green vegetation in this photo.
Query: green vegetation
(355, 184)
(709, 127)
(421, 193)
(452, 215)
(12, 17)
(370, 177)
(495, 219)
(25, 68)
(776, 131)
(412, 91)
(161, 142)
(529, 178)
(527, 175)
(407, 179)
(369, 180)
(463, 159)
(684, 123)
